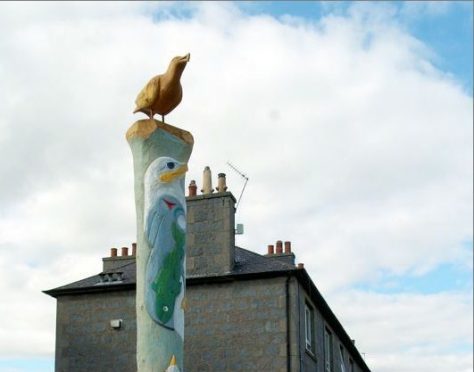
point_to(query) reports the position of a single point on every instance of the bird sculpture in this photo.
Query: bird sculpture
(163, 92)
(165, 231)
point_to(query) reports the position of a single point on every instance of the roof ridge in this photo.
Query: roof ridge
(285, 264)
(249, 251)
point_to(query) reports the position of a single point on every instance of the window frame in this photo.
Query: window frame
(341, 356)
(328, 350)
(309, 328)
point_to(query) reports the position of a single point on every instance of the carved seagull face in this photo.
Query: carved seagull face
(166, 170)
(165, 175)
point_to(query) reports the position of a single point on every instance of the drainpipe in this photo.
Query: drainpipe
(288, 344)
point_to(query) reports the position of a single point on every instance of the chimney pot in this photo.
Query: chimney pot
(221, 183)
(113, 252)
(287, 247)
(124, 251)
(207, 181)
(192, 188)
(279, 247)
(134, 249)
(301, 266)
(271, 249)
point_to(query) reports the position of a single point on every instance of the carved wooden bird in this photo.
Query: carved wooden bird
(163, 92)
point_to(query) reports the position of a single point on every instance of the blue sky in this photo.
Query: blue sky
(445, 277)
(45, 364)
(388, 136)
(445, 27)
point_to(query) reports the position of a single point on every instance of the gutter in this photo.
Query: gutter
(90, 289)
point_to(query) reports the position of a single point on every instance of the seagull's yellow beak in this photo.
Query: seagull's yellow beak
(173, 174)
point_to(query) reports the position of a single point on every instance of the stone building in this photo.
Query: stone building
(245, 311)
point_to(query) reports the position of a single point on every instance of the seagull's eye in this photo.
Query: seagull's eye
(170, 165)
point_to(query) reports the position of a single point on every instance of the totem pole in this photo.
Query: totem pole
(160, 156)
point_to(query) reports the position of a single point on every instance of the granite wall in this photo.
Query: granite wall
(85, 340)
(236, 326)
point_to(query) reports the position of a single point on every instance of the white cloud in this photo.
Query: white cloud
(28, 316)
(409, 332)
(357, 148)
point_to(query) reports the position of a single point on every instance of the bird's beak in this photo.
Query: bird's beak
(173, 174)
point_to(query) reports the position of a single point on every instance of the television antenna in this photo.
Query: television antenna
(245, 184)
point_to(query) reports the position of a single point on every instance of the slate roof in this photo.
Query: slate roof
(122, 277)
(247, 262)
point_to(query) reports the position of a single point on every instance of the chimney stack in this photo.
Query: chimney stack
(279, 247)
(207, 181)
(115, 261)
(221, 183)
(210, 232)
(192, 188)
(276, 252)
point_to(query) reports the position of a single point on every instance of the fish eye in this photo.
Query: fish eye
(170, 165)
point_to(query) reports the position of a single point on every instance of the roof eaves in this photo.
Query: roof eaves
(56, 292)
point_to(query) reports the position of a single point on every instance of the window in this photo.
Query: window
(327, 350)
(341, 356)
(309, 328)
(351, 365)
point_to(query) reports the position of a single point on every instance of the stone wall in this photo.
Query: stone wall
(230, 326)
(210, 238)
(236, 326)
(85, 340)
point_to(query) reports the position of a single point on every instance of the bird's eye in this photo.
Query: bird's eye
(170, 165)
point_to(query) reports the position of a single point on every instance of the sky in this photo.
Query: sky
(353, 122)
